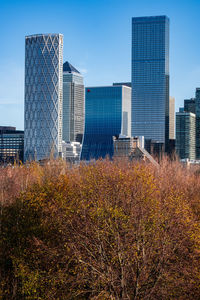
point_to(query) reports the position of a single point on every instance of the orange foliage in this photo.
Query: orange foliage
(107, 230)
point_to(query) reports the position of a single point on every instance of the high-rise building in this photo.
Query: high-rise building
(11, 145)
(171, 118)
(43, 96)
(150, 78)
(189, 105)
(185, 135)
(197, 110)
(107, 114)
(73, 104)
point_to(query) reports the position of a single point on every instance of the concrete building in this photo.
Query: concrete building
(107, 114)
(185, 135)
(150, 78)
(73, 104)
(131, 148)
(43, 96)
(71, 151)
(11, 145)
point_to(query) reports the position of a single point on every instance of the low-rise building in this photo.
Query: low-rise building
(71, 151)
(132, 148)
(11, 145)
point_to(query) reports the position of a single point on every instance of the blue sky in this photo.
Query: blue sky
(97, 41)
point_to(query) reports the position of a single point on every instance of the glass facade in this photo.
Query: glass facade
(171, 118)
(150, 78)
(107, 114)
(11, 145)
(43, 96)
(189, 105)
(185, 135)
(197, 110)
(73, 104)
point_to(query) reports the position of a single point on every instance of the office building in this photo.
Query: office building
(124, 146)
(107, 114)
(43, 96)
(171, 118)
(150, 78)
(185, 135)
(130, 147)
(197, 110)
(73, 104)
(71, 151)
(189, 105)
(11, 145)
(181, 109)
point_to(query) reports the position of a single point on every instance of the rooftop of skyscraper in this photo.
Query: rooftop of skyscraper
(67, 67)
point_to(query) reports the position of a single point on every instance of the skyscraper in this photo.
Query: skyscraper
(73, 104)
(43, 96)
(185, 135)
(150, 78)
(197, 109)
(107, 114)
(171, 118)
(189, 105)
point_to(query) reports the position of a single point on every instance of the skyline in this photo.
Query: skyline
(95, 43)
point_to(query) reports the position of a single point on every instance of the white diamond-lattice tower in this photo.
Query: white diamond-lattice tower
(43, 96)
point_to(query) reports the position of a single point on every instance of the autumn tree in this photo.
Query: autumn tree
(107, 230)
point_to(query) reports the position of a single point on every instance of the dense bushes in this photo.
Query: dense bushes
(100, 231)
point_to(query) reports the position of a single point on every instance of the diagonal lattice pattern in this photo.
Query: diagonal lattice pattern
(43, 96)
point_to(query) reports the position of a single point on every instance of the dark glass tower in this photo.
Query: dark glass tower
(107, 114)
(150, 78)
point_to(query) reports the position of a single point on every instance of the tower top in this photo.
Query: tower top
(67, 67)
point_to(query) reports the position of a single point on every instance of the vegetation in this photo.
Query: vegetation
(107, 230)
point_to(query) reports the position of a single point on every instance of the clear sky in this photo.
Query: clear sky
(97, 41)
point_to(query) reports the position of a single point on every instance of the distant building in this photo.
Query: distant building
(73, 104)
(171, 118)
(130, 147)
(197, 109)
(11, 145)
(190, 105)
(43, 96)
(150, 78)
(185, 135)
(124, 146)
(155, 148)
(71, 151)
(107, 114)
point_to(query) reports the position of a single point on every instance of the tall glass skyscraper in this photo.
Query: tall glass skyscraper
(43, 96)
(197, 110)
(73, 104)
(150, 78)
(107, 114)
